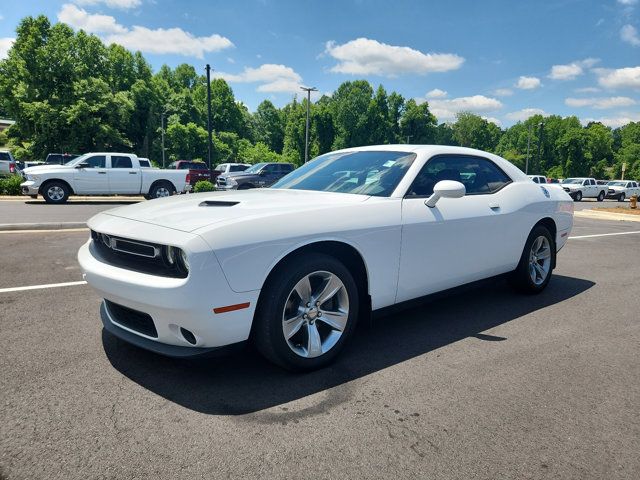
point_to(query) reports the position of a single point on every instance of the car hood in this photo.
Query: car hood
(237, 174)
(193, 211)
(616, 187)
(46, 169)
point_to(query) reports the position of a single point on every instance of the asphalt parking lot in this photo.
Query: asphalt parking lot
(480, 384)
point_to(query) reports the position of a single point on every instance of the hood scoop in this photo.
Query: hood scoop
(217, 203)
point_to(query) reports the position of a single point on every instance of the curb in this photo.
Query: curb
(607, 215)
(10, 227)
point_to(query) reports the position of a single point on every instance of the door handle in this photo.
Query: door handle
(132, 173)
(102, 173)
(494, 206)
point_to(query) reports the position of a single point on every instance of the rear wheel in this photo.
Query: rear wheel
(578, 196)
(55, 192)
(601, 196)
(162, 189)
(621, 197)
(536, 263)
(307, 312)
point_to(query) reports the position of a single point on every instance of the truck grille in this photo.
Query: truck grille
(221, 181)
(127, 317)
(144, 257)
(566, 189)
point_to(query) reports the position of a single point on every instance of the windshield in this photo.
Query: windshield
(618, 184)
(255, 168)
(78, 160)
(573, 181)
(374, 173)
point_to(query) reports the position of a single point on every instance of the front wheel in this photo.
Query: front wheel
(536, 263)
(621, 197)
(307, 312)
(601, 197)
(578, 196)
(55, 192)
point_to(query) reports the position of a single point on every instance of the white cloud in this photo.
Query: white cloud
(522, 115)
(445, 109)
(364, 56)
(493, 120)
(528, 83)
(587, 90)
(121, 4)
(629, 34)
(572, 70)
(601, 103)
(80, 19)
(5, 46)
(159, 40)
(503, 92)
(616, 121)
(272, 78)
(628, 77)
(627, 2)
(436, 93)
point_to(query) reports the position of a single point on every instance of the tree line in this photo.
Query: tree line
(68, 92)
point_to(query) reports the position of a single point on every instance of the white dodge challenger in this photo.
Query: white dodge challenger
(291, 267)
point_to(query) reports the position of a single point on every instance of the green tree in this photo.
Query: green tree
(418, 125)
(269, 126)
(473, 131)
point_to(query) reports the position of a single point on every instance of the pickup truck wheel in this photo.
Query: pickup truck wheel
(578, 196)
(536, 263)
(55, 192)
(161, 190)
(306, 313)
(601, 196)
(621, 197)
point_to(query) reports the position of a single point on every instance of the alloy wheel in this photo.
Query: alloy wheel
(55, 193)
(540, 260)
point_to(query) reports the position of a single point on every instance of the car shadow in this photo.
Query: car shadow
(245, 382)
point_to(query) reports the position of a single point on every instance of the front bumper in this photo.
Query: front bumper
(30, 187)
(173, 304)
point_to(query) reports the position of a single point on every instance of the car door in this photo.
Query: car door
(92, 178)
(459, 240)
(123, 177)
(269, 175)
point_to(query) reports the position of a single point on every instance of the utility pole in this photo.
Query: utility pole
(162, 130)
(306, 133)
(541, 125)
(210, 143)
(526, 165)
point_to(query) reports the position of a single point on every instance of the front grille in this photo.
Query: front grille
(566, 189)
(127, 317)
(144, 257)
(611, 192)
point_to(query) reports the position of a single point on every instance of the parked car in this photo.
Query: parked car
(258, 175)
(7, 163)
(603, 182)
(622, 189)
(59, 158)
(230, 168)
(102, 174)
(292, 267)
(580, 188)
(538, 178)
(197, 170)
(553, 180)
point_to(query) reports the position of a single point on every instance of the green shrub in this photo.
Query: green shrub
(204, 186)
(11, 185)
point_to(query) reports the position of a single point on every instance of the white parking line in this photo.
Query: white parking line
(603, 235)
(39, 287)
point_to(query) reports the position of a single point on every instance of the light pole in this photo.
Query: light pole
(306, 132)
(210, 142)
(162, 115)
(409, 138)
(541, 126)
(526, 165)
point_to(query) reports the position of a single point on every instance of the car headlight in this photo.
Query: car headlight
(183, 260)
(32, 177)
(176, 257)
(231, 181)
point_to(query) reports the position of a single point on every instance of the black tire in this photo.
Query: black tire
(578, 196)
(55, 192)
(621, 197)
(267, 332)
(521, 277)
(601, 196)
(158, 190)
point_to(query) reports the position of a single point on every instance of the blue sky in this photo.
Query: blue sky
(501, 59)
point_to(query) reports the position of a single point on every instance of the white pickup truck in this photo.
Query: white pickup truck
(621, 189)
(579, 188)
(102, 174)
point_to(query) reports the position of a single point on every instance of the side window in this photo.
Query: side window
(592, 182)
(221, 167)
(237, 168)
(479, 175)
(271, 169)
(97, 161)
(144, 163)
(120, 162)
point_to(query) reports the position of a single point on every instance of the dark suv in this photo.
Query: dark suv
(256, 176)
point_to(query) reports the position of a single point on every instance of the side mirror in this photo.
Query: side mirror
(262, 173)
(445, 189)
(82, 165)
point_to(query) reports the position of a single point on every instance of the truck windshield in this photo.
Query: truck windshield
(618, 184)
(78, 160)
(255, 168)
(366, 172)
(572, 180)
